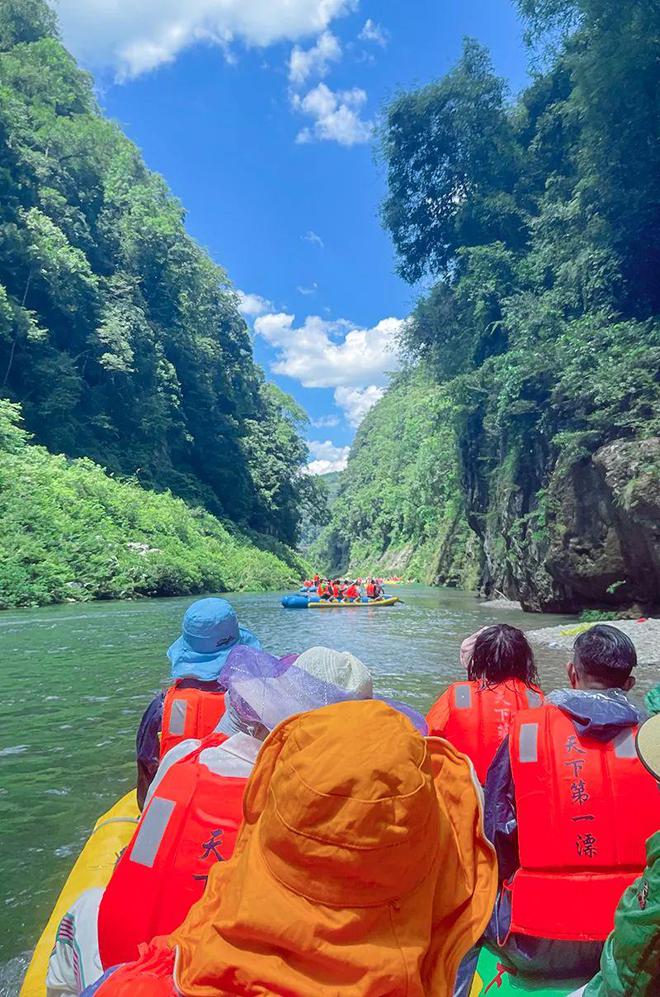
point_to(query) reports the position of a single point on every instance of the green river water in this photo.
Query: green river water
(78, 677)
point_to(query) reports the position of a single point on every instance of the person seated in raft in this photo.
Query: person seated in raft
(200, 786)
(475, 715)
(569, 806)
(194, 703)
(324, 590)
(630, 963)
(352, 593)
(370, 589)
(361, 868)
(336, 589)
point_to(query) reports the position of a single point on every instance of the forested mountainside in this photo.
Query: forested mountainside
(119, 337)
(326, 488)
(529, 418)
(399, 508)
(69, 533)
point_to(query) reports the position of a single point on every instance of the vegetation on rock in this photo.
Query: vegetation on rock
(399, 506)
(537, 223)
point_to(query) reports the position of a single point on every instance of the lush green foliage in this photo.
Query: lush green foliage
(70, 532)
(539, 222)
(325, 488)
(119, 337)
(399, 505)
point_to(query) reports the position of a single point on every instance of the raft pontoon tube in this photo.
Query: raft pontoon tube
(302, 602)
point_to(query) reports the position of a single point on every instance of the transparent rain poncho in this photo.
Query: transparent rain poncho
(262, 691)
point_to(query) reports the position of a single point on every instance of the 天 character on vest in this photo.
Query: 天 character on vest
(380, 914)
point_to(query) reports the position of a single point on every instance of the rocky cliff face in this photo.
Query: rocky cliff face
(604, 544)
(585, 533)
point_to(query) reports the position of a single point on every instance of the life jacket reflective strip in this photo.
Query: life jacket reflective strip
(189, 713)
(585, 808)
(480, 717)
(191, 823)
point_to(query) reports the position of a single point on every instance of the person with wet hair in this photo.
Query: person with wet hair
(475, 715)
(569, 806)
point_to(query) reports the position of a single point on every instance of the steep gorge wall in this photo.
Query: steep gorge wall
(581, 533)
(446, 500)
(400, 509)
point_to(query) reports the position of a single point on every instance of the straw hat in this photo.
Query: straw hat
(648, 745)
(339, 668)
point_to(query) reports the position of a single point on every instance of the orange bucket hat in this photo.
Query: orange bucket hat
(361, 868)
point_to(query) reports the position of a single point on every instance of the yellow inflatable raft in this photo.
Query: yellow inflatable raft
(354, 605)
(112, 832)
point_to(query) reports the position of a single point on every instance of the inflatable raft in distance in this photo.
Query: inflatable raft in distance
(302, 602)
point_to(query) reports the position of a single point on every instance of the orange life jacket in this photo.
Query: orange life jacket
(352, 592)
(336, 591)
(189, 713)
(585, 808)
(480, 717)
(191, 822)
(371, 591)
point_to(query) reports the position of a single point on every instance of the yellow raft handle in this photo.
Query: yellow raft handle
(115, 820)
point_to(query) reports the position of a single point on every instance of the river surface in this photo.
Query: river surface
(77, 678)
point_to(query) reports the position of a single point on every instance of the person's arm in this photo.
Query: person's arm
(500, 818)
(147, 746)
(630, 963)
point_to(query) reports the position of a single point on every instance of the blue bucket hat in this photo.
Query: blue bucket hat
(210, 630)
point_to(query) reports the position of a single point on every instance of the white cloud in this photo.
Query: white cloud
(132, 37)
(312, 289)
(315, 239)
(335, 116)
(372, 32)
(324, 354)
(327, 457)
(325, 422)
(314, 61)
(356, 402)
(250, 305)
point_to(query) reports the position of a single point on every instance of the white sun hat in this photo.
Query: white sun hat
(265, 691)
(338, 668)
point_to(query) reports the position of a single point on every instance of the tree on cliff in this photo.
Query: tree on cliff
(119, 336)
(539, 221)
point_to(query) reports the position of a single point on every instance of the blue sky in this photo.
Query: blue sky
(258, 113)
